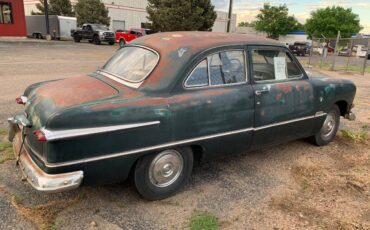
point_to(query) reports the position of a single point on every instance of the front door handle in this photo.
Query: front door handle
(259, 92)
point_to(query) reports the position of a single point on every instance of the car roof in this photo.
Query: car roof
(199, 40)
(178, 49)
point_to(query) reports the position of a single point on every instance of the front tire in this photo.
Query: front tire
(158, 176)
(96, 40)
(76, 38)
(328, 129)
(111, 43)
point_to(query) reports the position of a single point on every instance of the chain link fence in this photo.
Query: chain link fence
(345, 54)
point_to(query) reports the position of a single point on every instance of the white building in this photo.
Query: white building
(127, 14)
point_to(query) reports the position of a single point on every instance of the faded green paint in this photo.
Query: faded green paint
(183, 113)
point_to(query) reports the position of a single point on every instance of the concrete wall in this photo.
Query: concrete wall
(131, 13)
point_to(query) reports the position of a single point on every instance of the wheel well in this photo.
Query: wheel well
(343, 106)
(197, 152)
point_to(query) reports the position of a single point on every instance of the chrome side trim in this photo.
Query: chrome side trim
(52, 135)
(161, 146)
(53, 165)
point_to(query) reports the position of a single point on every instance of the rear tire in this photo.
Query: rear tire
(122, 42)
(111, 43)
(76, 38)
(158, 176)
(328, 129)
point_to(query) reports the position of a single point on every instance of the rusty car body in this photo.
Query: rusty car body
(167, 100)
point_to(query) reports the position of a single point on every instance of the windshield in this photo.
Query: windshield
(99, 27)
(132, 64)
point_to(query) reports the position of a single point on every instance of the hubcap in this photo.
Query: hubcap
(166, 168)
(329, 124)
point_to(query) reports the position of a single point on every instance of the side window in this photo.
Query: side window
(199, 76)
(223, 68)
(269, 64)
(227, 68)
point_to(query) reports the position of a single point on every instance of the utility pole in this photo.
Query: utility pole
(230, 16)
(335, 51)
(46, 8)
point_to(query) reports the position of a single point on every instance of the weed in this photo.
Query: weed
(204, 221)
(356, 136)
(17, 199)
(365, 126)
(7, 149)
(3, 132)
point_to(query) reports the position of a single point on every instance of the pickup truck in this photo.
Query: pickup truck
(94, 33)
(124, 36)
(299, 48)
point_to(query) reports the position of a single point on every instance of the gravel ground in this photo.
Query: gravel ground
(290, 186)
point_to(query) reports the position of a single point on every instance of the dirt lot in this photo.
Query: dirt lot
(290, 186)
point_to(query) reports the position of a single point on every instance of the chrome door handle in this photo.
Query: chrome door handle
(259, 92)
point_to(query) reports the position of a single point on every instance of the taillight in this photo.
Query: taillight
(21, 100)
(40, 135)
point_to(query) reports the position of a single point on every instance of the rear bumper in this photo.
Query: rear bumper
(31, 172)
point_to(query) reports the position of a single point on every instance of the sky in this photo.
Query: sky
(246, 10)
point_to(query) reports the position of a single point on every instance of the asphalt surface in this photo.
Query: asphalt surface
(237, 189)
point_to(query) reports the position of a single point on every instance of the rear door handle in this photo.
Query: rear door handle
(259, 92)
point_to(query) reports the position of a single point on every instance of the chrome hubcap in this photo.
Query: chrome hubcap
(166, 168)
(329, 124)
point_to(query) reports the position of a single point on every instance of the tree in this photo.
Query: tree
(330, 20)
(56, 7)
(91, 11)
(275, 21)
(247, 24)
(185, 15)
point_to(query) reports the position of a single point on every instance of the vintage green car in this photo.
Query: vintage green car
(165, 101)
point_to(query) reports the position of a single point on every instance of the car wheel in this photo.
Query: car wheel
(328, 129)
(111, 43)
(76, 38)
(158, 176)
(122, 43)
(96, 40)
(90, 41)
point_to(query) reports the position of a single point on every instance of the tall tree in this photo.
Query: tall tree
(56, 7)
(330, 20)
(91, 11)
(176, 15)
(275, 21)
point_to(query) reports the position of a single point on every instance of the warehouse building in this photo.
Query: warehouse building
(127, 14)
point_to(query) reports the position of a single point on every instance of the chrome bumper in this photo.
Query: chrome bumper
(40, 180)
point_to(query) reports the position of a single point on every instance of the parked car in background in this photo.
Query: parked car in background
(345, 52)
(95, 33)
(60, 26)
(300, 48)
(124, 36)
(157, 107)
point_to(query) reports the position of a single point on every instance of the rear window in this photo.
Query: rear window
(132, 64)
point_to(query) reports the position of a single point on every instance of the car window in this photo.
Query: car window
(131, 63)
(227, 67)
(269, 64)
(199, 76)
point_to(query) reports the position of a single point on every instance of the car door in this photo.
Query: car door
(283, 96)
(89, 32)
(217, 104)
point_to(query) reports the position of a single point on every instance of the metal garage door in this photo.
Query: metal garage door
(118, 25)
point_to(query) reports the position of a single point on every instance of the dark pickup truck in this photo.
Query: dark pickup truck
(300, 48)
(96, 33)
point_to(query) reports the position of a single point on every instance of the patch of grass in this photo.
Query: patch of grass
(365, 127)
(3, 131)
(356, 136)
(17, 199)
(7, 149)
(204, 221)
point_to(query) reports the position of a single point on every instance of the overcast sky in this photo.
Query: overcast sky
(246, 10)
